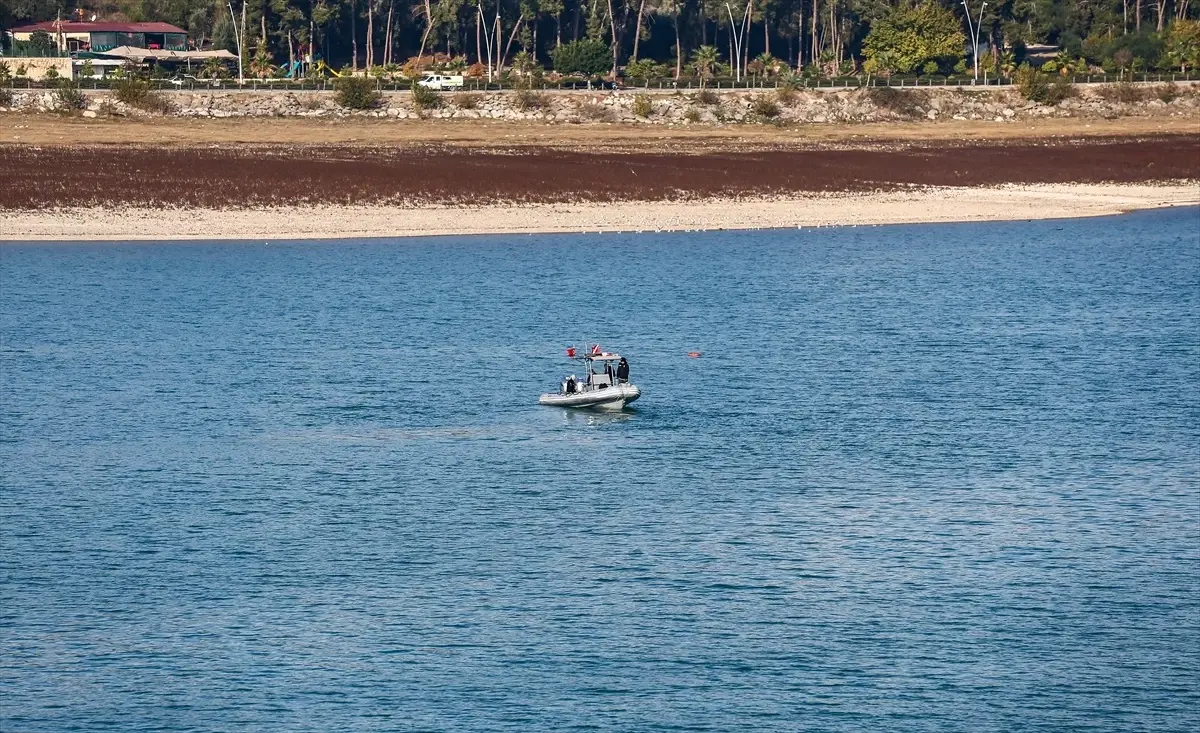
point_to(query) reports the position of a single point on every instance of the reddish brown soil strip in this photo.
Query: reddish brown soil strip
(257, 175)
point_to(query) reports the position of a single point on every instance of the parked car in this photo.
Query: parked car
(180, 80)
(441, 82)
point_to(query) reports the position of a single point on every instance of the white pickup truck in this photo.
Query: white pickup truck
(441, 82)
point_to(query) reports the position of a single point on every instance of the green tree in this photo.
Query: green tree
(41, 43)
(588, 56)
(910, 36)
(1183, 44)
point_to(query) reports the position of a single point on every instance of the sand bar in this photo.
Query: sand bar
(926, 205)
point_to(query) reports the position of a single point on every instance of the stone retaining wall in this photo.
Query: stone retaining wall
(36, 67)
(670, 108)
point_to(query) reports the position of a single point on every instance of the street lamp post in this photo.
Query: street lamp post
(974, 31)
(237, 38)
(487, 40)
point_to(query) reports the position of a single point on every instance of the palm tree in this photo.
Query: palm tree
(261, 65)
(770, 65)
(703, 60)
(212, 69)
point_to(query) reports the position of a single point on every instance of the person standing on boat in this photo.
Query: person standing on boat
(570, 388)
(623, 370)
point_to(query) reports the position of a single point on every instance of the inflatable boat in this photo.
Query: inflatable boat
(605, 383)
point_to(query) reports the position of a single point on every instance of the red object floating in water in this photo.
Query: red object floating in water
(694, 354)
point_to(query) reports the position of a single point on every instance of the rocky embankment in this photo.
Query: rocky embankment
(662, 108)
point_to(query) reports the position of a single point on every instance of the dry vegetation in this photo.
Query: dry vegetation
(216, 175)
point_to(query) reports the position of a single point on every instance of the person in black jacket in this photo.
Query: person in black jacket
(623, 370)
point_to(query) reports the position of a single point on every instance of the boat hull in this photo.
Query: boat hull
(609, 398)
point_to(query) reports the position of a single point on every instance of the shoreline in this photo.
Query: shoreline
(926, 205)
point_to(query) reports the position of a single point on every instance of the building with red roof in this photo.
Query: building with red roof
(70, 36)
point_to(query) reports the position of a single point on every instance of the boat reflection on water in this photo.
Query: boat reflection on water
(595, 418)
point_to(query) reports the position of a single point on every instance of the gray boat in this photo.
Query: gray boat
(605, 383)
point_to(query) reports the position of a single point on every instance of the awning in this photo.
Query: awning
(143, 54)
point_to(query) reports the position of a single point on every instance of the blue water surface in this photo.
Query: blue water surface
(923, 478)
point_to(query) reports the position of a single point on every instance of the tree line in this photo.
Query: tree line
(673, 37)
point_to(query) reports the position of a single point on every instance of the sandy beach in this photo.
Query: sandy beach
(925, 205)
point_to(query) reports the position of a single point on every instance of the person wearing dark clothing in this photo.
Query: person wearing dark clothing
(623, 370)
(571, 384)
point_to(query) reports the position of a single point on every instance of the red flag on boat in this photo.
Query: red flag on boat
(571, 352)
(596, 350)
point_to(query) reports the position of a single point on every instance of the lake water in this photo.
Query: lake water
(923, 478)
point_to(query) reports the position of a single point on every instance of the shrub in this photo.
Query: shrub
(1036, 86)
(5, 72)
(68, 96)
(588, 57)
(1033, 85)
(1061, 89)
(1124, 92)
(706, 97)
(692, 115)
(1168, 92)
(6, 97)
(527, 99)
(131, 91)
(467, 100)
(785, 96)
(51, 73)
(357, 92)
(764, 108)
(423, 98)
(596, 112)
(157, 104)
(108, 107)
(642, 106)
(904, 103)
(137, 93)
